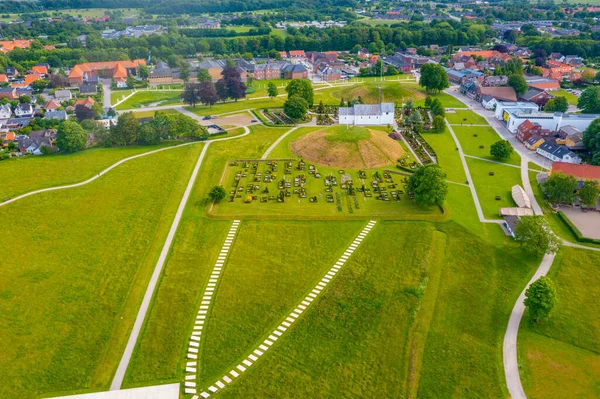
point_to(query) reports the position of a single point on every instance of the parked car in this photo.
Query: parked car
(207, 117)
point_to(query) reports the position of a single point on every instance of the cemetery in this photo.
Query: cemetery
(295, 187)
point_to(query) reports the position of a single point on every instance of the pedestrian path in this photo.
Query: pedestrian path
(283, 326)
(207, 299)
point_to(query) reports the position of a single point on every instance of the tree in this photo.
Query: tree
(589, 193)
(535, 236)
(295, 107)
(184, 73)
(207, 93)
(217, 193)
(557, 104)
(155, 130)
(111, 112)
(591, 139)
(231, 85)
(272, 90)
(518, 83)
(501, 150)
(439, 125)
(302, 88)
(540, 298)
(39, 85)
(391, 71)
(203, 75)
(143, 71)
(560, 188)
(130, 82)
(58, 81)
(82, 112)
(191, 94)
(588, 76)
(437, 108)
(428, 101)
(24, 99)
(434, 77)
(589, 101)
(428, 184)
(70, 137)
(408, 105)
(125, 132)
(415, 118)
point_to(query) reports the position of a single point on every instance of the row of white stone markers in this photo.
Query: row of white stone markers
(277, 332)
(191, 365)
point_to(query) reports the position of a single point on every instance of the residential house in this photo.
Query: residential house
(15, 123)
(118, 71)
(527, 129)
(555, 152)
(295, 71)
(9, 45)
(488, 102)
(24, 110)
(297, 54)
(33, 146)
(533, 142)
(5, 111)
(63, 95)
(397, 63)
(88, 89)
(515, 116)
(501, 93)
(491, 81)
(3, 78)
(60, 115)
(367, 114)
(271, 70)
(535, 95)
(87, 102)
(214, 67)
(543, 83)
(571, 137)
(210, 24)
(9, 92)
(52, 105)
(581, 172)
(327, 73)
(42, 69)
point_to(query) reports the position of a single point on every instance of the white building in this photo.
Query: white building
(547, 120)
(5, 111)
(558, 153)
(367, 114)
(503, 106)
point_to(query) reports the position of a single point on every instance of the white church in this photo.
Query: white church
(367, 114)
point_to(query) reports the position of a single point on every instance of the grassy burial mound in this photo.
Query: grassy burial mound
(353, 148)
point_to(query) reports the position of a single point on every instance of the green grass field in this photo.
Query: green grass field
(148, 98)
(571, 98)
(21, 175)
(488, 187)
(486, 136)
(241, 105)
(118, 95)
(68, 305)
(463, 117)
(560, 357)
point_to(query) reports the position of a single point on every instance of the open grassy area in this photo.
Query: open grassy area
(118, 95)
(79, 263)
(464, 117)
(571, 98)
(447, 155)
(560, 357)
(21, 175)
(230, 107)
(149, 98)
(473, 137)
(488, 187)
(396, 321)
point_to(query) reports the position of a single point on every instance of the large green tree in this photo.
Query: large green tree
(501, 150)
(125, 132)
(438, 124)
(295, 107)
(203, 75)
(588, 194)
(434, 77)
(70, 137)
(517, 82)
(589, 101)
(272, 90)
(155, 130)
(591, 139)
(302, 88)
(540, 298)
(217, 193)
(560, 188)
(557, 104)
(535, 237)
(429, 186)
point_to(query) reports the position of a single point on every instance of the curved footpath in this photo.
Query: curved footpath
(139, 320)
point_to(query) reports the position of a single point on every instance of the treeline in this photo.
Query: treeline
(264, 30)
(565, 45)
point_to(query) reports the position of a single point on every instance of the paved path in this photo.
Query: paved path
(417, 159)
(276, 143)
(139, 321)
(537, 209)
(106, 91)
(482, 218)
(250, 360)
(207, 299)
(509, 348)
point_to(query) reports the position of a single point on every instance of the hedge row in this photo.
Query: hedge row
(575, 230)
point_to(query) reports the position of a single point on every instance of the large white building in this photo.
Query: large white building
(367, 114)
(515, 113)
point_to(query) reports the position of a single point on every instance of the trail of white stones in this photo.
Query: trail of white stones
(207, 298)
(238, 370)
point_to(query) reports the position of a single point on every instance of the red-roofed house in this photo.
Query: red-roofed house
(52, 105)
(581, 172)
(283, 54)
(41, 69)
(297, 54)
(528, 129)
(373, 59)
(550, 85)
(116, 70)
(88, 102)
(9, 45)
(3, 78)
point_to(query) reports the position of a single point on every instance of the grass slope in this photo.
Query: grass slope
(72, 283)
(159, 355)
(151, 98)
(21, 175)
(560, 357)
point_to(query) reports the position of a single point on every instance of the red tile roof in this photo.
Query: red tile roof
(578, 170)
(3, 78)
(8, 45)
(88, 102)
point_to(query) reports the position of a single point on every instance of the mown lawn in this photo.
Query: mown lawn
(230, 107)
(464, 117)
(396, 321)
(79, 264)
(162, 345)
(571, 98)
(21, 175)
(118, 95)
(488, 187)
(560, 356)
(147, 98)
(473, 137)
